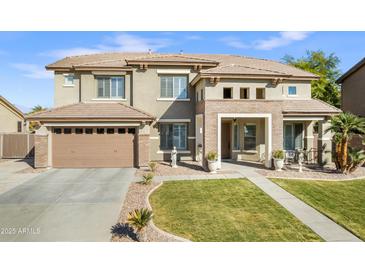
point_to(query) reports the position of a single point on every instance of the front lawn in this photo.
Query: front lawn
(342, 201)
(224, 210)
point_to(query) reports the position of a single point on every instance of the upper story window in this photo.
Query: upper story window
(174, 86)
(260, 93)
(244, 93)
(227, 93)
(68, 80)
(111, 87)
(292, 91)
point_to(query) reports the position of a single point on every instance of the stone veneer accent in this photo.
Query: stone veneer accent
(213, 107)
(143, 150)
(40, 151)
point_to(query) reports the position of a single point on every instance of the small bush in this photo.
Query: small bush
(147, 178)
(212, 156)
(278, 154)
(152, 166)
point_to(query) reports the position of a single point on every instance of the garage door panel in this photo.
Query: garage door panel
(93, 150)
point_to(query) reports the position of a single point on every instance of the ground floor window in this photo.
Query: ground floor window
(293, 136)
(249, 137)
(236, 136)
(173, 135)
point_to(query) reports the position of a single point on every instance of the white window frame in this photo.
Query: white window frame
(175, 96)
(110, 84)
(296, 91)
(248, 93)
(236, 136)
(65, 77)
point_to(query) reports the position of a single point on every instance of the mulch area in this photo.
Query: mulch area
(136, 198)
(312, 172)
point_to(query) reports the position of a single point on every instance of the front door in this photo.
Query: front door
(226, 141)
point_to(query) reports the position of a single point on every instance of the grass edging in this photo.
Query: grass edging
(153, 226)
(314, 179)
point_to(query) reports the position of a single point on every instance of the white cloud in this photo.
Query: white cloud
(234, 42)
(283, 39)
(33, 71)
(120, 42)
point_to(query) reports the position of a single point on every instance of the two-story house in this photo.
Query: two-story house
(125, 109)
(353, 94)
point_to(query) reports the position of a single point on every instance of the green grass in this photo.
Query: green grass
(342, 201)
(224, 210)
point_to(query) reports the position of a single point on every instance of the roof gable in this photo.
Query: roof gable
(11, 107)
(355, 68)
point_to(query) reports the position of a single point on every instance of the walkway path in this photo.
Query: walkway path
(320, 224)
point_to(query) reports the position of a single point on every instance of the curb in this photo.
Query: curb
(153, 226)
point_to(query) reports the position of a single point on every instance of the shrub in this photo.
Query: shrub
(147, 178)
(356, 159)
(212, 156)
(152, 166)
(139, 219)
(278, 154)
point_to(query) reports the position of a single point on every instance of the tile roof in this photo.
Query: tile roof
(93, 111)
(310, 106)
(235, 64)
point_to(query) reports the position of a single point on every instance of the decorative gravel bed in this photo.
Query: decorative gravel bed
(136, 197)
(183, 168)
(312, 172)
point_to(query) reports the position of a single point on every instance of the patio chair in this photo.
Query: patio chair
(289, 156)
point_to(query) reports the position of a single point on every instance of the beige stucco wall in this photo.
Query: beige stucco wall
(9, 120)
(278, 92)
(353, 93)
(146, 96)
(65, 95)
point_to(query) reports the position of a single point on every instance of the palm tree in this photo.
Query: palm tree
(357, 158)
(344, 126)
(37, 108)
(34, 125)
(139, 219)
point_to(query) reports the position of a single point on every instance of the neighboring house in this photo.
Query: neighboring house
(125, 109)
(353, 93)
(11, 118)
(353, 89)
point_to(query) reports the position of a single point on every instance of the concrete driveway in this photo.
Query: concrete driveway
(64, 205)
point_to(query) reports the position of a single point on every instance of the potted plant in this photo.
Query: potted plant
(212, 159)
(278, 156)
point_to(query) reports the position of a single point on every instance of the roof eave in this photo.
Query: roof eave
(353, 69)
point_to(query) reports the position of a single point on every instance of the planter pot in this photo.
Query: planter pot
(213, 166)
(279, 164)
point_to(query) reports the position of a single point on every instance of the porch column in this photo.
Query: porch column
(41, 149)
(324, 143)
(143, 145)
(308, 140)
(268, 141)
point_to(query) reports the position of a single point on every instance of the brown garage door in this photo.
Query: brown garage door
(93, 147)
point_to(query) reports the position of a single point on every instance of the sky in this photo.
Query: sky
(23, 55)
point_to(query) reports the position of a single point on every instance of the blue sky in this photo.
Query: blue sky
(23, 55)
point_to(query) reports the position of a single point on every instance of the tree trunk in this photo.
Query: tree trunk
(338, 156)
(344, 155)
